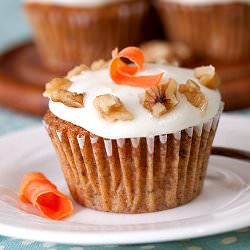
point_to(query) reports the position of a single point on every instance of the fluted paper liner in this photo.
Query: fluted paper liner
(67, 36)
(133, 175)
(218, 31)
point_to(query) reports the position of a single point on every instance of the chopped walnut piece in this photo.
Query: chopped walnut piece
(156, 52)
(160, 99)
(158, 110)
(111, 108)
(77, 70)
(100, 64)
(194, 95)
(56, 84)
(69, 99)
(189, 86)
(162, 52)
(207, 76)
(171, 92)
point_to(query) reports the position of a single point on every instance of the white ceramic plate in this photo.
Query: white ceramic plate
(223, 206)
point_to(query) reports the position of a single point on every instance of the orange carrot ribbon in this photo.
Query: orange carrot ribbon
(125, 73)
(37, 190)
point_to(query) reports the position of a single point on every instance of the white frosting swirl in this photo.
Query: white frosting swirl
(96, 83)
(87, 3)
(206, 2)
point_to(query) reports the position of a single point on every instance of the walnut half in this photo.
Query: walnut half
(161, 99)
(207, 76)
(111, 108)
(194, 95)
(69, 99)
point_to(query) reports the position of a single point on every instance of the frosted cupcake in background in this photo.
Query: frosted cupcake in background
(71, 32)
(215, 29)
(133, 137)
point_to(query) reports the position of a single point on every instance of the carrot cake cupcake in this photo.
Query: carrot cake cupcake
(217, 29)
(133, 137)
(71, 32)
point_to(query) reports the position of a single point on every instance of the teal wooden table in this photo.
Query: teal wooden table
(14, 29)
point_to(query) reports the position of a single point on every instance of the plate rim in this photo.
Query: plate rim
(121, 238)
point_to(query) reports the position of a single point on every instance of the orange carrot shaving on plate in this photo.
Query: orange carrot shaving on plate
(37, 190)
(126, 64)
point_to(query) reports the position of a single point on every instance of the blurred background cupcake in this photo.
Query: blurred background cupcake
(214, 29)
(68, 33)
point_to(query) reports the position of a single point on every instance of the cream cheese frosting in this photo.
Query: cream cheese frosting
(207, 2)
(95, 83)
(88, 3)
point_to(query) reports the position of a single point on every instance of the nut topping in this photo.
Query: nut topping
(111, 108)
(161, 99)
(161, 52)
(55, 85)
(192, 92)
(158, 110)
(69, 99)
(100, 64)
(207, 76)
(77, 70)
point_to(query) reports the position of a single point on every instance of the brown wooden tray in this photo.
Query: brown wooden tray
(22, 79)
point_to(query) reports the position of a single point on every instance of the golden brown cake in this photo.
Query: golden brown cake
(68, 33)
(215, 29)
(128, 149)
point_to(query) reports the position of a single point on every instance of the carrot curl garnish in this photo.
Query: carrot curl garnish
(37, 190)
(126, 64)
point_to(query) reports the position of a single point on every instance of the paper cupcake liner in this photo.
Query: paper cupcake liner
(218, 31)
(133, 175)
(69, 36)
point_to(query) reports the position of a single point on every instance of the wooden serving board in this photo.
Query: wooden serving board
(22, 79)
